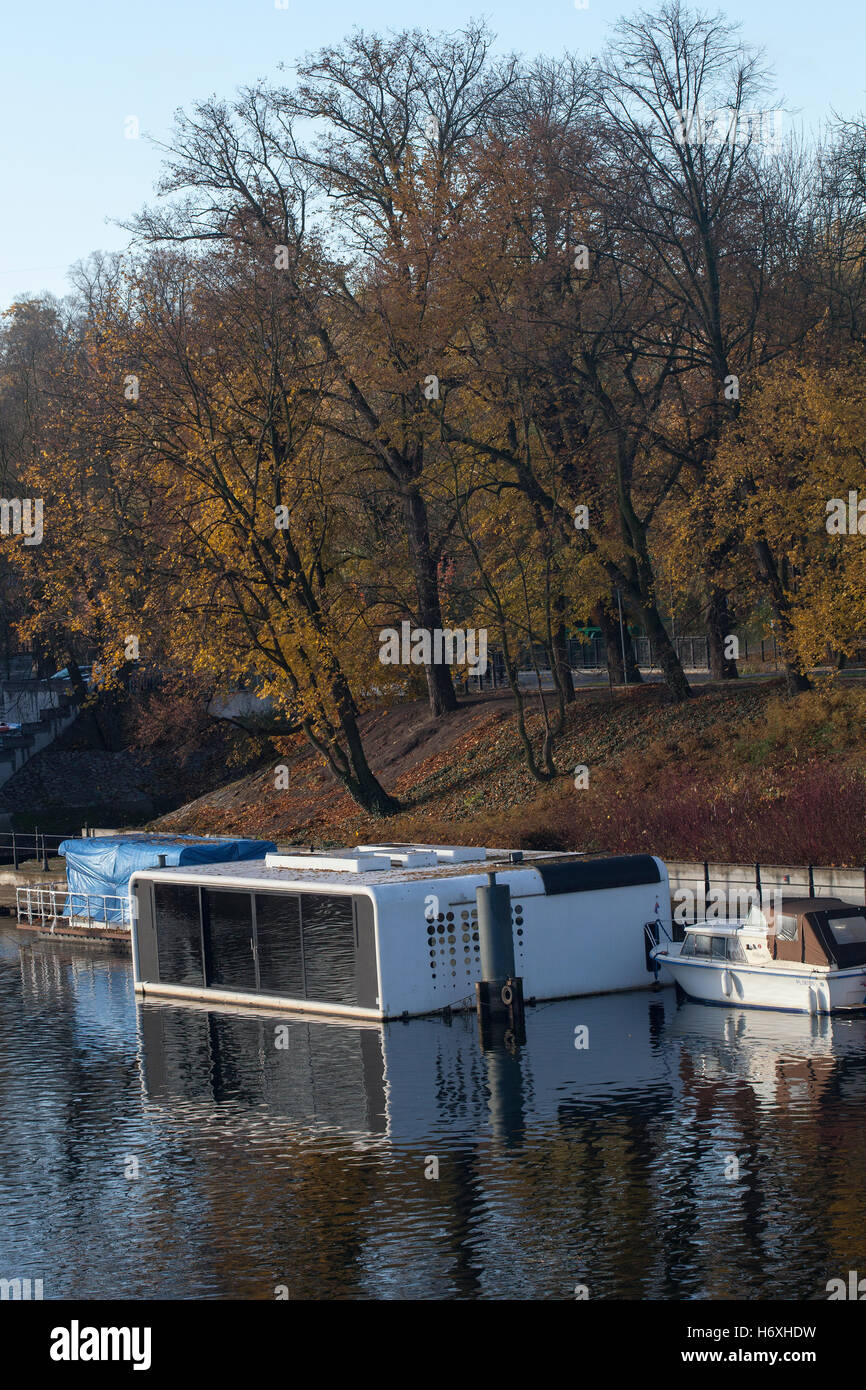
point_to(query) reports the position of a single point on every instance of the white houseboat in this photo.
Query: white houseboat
(384, 931)
(806, 954)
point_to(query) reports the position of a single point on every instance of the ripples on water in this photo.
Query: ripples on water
(304, 1166)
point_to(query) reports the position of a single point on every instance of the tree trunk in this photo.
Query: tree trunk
(796, 678)
(665, 652)
(360, 782)
(614, 640)
(440, 686)
(719, 629)
(562, 666)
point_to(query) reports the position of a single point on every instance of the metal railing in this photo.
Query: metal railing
(55, 903)
(25, 846)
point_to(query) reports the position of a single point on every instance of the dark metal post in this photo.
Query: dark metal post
(14, 851)
(811, 881)
(758, 885)
(622, 640)
(44, 855)
(499, 993)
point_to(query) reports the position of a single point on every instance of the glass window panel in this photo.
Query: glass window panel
(702, 945)
(329, 948)
(719, 950)
(688, 945)
(178, 934)
(278, 930)
(230, 932)
(735, 950)
(849, 930)
(787, 926)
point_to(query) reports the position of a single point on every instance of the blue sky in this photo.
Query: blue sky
(70, 75)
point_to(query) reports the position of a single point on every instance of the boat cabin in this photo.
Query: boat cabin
(808, 931)
(382, 931)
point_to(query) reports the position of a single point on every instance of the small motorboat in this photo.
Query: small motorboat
(805, 954)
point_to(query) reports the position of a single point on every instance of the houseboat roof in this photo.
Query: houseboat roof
(379, 865)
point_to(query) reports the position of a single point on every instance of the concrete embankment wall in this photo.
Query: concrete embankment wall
(733, 884)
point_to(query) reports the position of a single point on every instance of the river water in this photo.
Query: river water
(170, 1151)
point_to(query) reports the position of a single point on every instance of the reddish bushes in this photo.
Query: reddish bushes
(813, 813)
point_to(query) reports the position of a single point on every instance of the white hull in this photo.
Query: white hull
(803, 988)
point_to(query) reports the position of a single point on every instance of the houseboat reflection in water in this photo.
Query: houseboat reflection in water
(408, 1081)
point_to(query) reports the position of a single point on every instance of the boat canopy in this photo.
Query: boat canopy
(817, 931)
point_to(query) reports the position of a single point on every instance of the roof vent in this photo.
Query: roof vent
(342, 862)
(432, 854)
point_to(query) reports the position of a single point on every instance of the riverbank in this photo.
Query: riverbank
(739, 773)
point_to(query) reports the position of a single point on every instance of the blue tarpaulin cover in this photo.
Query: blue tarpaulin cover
(101, 866)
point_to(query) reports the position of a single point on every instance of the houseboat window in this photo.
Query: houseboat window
(329, 948)
(688, 946)
(735, 950)
(299, 945)
(178, 934)
(850, 929)
(703, 945)
(719, 951)
(229, 933)
(278, 931)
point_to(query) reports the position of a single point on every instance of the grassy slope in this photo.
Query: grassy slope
(738, 773)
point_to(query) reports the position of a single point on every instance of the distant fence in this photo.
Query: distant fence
(700, 889)
(591, 655)
(24, 846)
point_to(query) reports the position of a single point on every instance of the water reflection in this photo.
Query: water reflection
(686, 1152)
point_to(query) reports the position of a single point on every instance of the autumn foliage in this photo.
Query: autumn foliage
(433, 336)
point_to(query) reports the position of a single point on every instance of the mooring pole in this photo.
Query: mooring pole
(499, 992)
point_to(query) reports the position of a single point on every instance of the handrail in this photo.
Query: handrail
(56, 902)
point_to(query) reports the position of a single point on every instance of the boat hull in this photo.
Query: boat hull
(801, 989)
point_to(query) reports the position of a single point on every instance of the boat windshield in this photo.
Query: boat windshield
(756, 918)
(716, 947)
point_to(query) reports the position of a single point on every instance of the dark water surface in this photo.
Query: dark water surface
(171, 1151)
